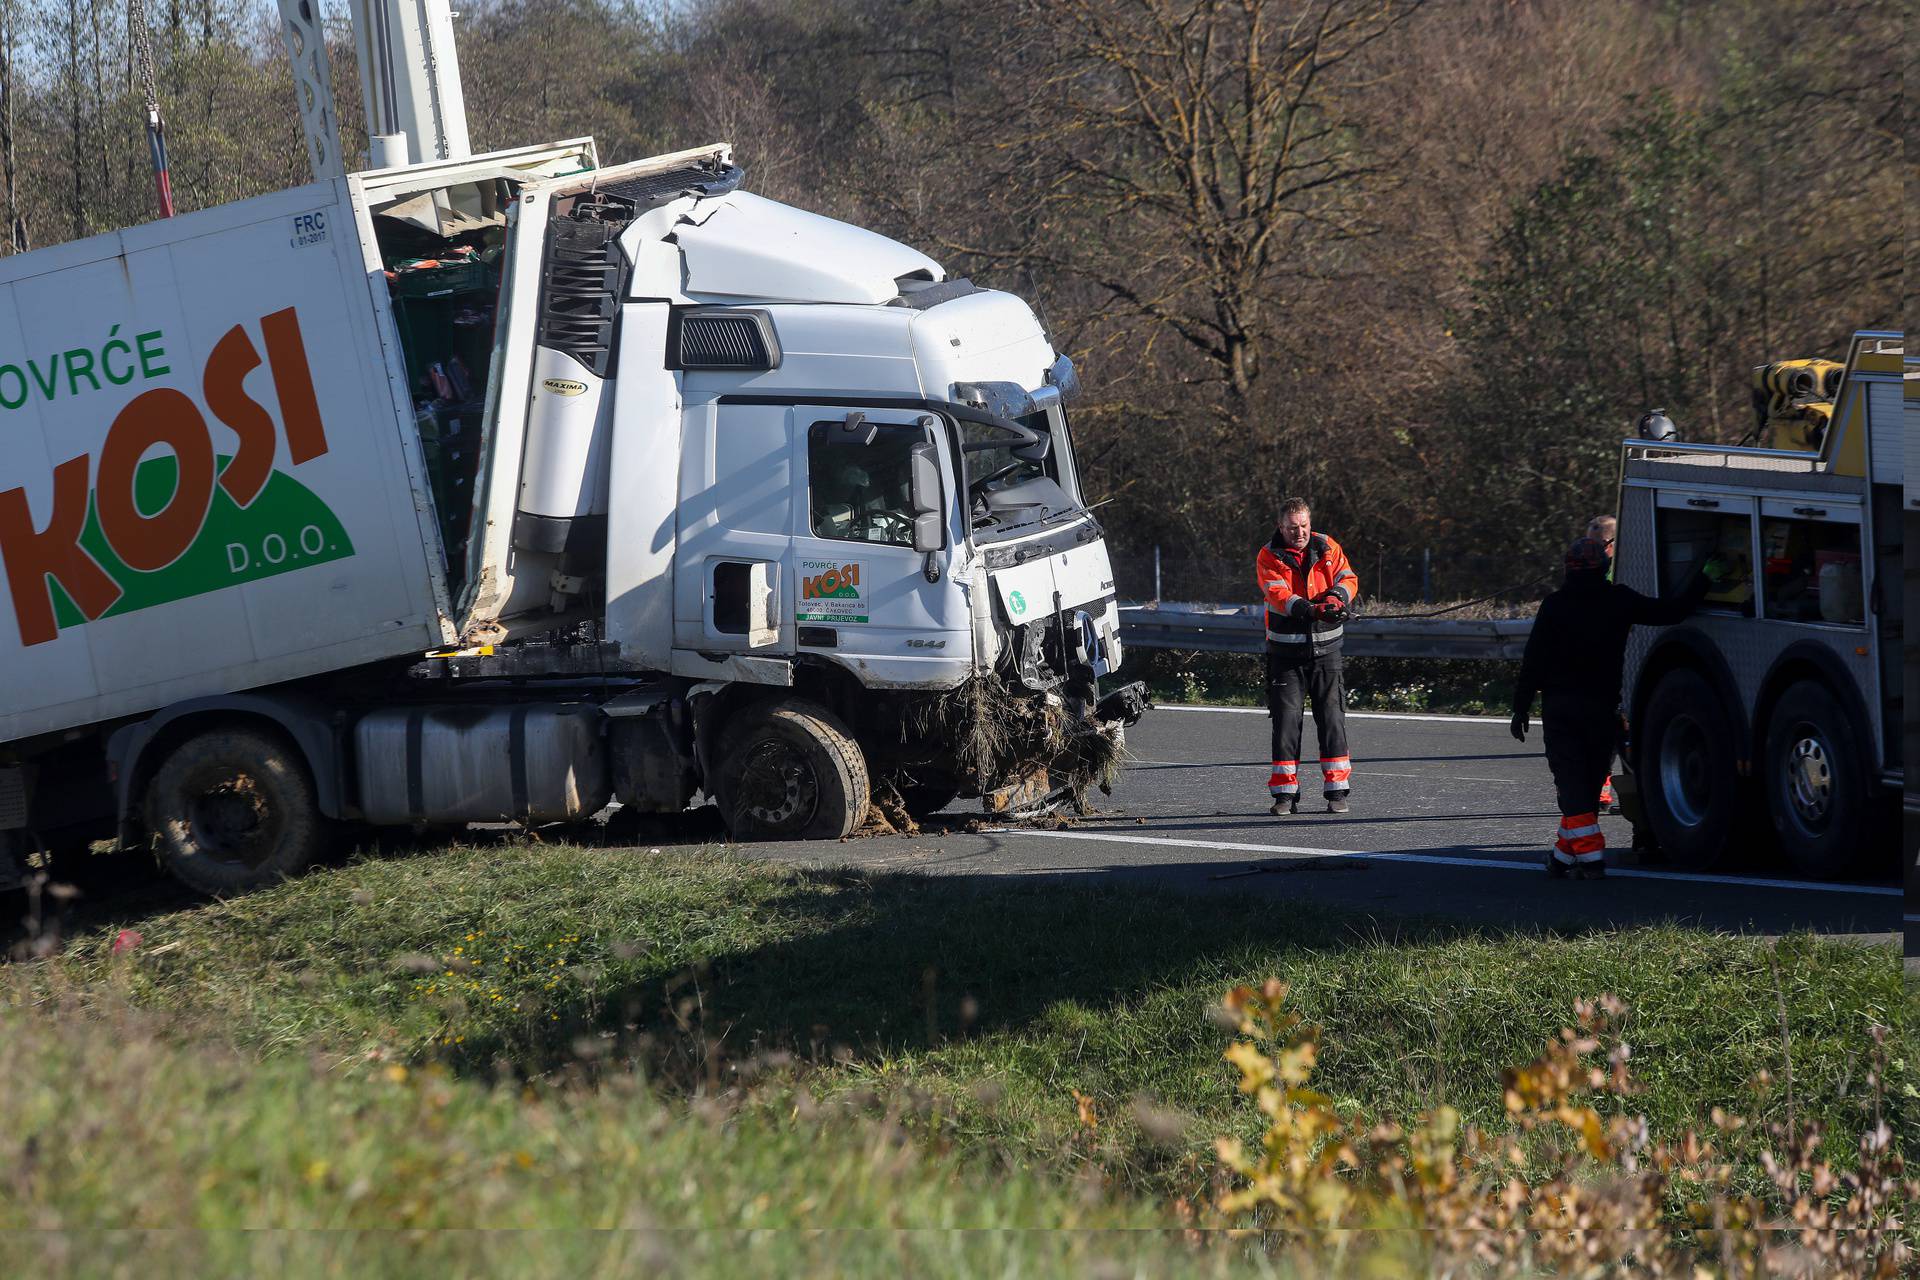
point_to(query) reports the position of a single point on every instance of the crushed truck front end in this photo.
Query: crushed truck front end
(880, 504)
(1047, 710)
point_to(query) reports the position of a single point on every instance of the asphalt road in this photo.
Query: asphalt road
(1450, 818)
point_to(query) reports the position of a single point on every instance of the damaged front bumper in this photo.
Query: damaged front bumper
(1090, 756)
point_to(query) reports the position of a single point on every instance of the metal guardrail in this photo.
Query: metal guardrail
(1242, 629)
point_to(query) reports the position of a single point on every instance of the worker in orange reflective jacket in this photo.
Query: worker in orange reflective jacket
(1308, 587)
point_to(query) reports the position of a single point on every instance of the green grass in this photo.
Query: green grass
(696, 1035)
(109, 1123)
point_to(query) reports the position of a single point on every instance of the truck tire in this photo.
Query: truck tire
(1689, 778)
(233, 810)
(790, 771)
(1815, 782)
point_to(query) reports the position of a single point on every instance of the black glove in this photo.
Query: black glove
(1329, 610)
(1518, 725)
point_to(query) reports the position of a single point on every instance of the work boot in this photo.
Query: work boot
(1556, 869)
(1337, 802)
(1285, 805)
(1591, 871)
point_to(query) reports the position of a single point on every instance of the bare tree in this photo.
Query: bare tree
(1213, 142)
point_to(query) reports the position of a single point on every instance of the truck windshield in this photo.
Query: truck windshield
(1005, 491)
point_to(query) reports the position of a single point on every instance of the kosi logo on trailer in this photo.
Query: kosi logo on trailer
(150, 530)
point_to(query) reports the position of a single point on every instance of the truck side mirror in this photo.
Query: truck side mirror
(928, 504)
(927, 533)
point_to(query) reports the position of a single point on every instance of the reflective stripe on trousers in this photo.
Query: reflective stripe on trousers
(1580, 840)
(1307, 637)
(1286, 778)
(1338, 774)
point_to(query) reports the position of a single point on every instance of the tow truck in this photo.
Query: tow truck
(1775, 715)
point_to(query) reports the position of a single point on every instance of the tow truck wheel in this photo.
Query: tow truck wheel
(233, 810)
(1816, 793)
(1688, 776)
(790, 771)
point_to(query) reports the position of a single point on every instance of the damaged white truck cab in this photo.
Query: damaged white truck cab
(873, 495)
(556, 484)
(884, 454)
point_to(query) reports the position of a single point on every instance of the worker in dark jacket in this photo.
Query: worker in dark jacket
(1601, 529)
(1308, 586)
(1574, 657)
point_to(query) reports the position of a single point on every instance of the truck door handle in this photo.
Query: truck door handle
(1810, 511)
(1703, 502)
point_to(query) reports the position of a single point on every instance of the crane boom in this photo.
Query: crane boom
(306, 45)
(409, 82)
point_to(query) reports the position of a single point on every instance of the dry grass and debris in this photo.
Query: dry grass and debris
(1004, 734)
(1559, 1188)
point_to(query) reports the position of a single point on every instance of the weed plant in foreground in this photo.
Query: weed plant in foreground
(1562, 1189)
(693, 1035)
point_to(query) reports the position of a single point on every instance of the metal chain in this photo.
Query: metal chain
(143, 52)
(1528, 587)
(156, 127)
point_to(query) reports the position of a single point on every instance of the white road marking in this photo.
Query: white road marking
(1362, 772)
(1351, 715)
(1444, 860)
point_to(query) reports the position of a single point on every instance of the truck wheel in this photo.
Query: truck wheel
(1816, 787)
(233, 810)
(791, 771)
(1688, 778)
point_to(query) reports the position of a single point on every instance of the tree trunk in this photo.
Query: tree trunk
(16, 224)
(101, 110)
(76, 128)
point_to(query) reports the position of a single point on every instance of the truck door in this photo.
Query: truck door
(733, 569)
(872, 542)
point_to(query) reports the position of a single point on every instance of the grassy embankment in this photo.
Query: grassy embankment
(547, 1036)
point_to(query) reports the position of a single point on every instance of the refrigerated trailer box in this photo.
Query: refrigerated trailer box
(210, 473)
(207, 477)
